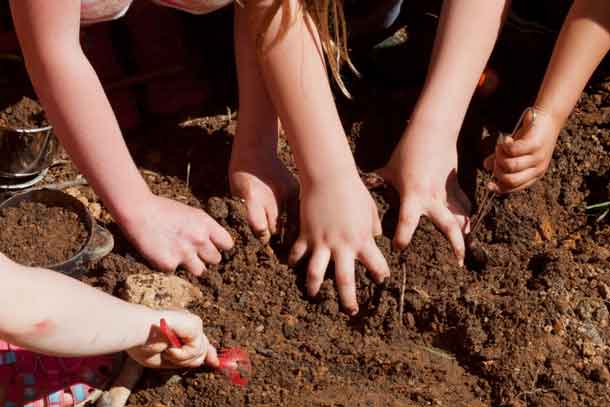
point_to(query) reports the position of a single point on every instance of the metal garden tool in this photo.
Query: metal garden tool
(489, 196)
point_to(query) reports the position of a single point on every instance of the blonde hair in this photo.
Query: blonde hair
(329, 19)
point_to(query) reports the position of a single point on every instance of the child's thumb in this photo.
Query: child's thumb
(211, 358)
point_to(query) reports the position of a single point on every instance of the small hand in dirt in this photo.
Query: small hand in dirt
(339, 219)
(424, 172)
(170, 234)
(518, 163)
(158, 353)
(263, 181)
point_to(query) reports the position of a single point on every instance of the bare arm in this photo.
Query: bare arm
(338, 216)
(167, 233)
(582, 44)
(423, 167)
(467, 33)
(75, 101)
(48, 312)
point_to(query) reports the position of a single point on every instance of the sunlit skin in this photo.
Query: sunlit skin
(169, 234)
(583, 42)
(423, 167)
(338, 217)
(51, 305)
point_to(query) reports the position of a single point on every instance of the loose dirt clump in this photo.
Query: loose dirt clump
(26, 114)
(34, 234)
(156, 290)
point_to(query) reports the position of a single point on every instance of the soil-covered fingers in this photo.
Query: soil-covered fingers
(192, 354)
(208, 252)
(408, 220)
(511, 165)
(507, 183)
(257, 219)
(272, 214)
(375, 262)
(298, 251)
(316, 270)
(449, 225)
(219, 236)
(345, 279)
(459, 204)
(194, 264)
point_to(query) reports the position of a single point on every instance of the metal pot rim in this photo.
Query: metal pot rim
(27, 131)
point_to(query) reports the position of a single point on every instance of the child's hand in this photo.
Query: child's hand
(519, 163)
(424, 172)
(264, 183)
(339, 220)
(170, 234)
(196, 350)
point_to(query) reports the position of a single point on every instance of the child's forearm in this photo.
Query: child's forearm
(294, 71)
(75, 101)
(257, 115)
(582, 44)
(467, 33)
(53, 314)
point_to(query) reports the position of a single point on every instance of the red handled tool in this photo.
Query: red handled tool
(234, 364)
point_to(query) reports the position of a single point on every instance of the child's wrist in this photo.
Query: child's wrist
(144, 319)
(557, 114)
(131, 211)
(434, 125)
(327, 174)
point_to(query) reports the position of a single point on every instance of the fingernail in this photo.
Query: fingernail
(353, 312)
(492, 187)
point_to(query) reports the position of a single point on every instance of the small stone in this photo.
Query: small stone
(604, 290)
(588, 308)
(289, 327)
(410, 320)
(558, 328)
(600, 374)
(175, 379)
(74, 192)
(259, 328)
(160, 291)
(588, 349)
(546, 229)
(95, 209)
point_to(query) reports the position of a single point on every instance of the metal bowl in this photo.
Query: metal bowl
(99, 243)
(26, 152)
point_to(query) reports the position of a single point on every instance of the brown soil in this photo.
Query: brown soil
(524, 324)
(37, 235)
(25, 114)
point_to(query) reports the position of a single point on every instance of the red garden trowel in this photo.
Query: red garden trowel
(234, 362)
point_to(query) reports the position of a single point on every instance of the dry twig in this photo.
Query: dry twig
(402, 294)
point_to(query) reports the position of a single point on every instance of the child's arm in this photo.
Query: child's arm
(256, 173)
(338, 216)
(50, 313)
(166, 232)
(582, 43)
(423, 167)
